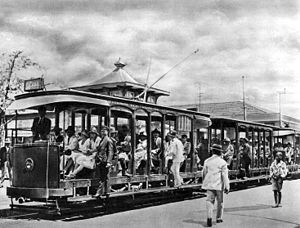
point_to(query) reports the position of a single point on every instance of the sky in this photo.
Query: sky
(78, 41)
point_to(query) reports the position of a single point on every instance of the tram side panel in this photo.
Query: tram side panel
(32, 168)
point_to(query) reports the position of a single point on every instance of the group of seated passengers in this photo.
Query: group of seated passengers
(80, 152)
(156, 155)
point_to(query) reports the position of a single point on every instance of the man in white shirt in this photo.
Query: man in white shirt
(215, 181)
(176, 151)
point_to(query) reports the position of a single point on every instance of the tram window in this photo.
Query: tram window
(94, 120)
(78, 122)
(65, 119)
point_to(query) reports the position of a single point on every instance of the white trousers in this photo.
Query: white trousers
(175, 170)
(211, 196)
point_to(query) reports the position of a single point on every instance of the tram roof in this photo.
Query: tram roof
(49, 98)
(244, 122)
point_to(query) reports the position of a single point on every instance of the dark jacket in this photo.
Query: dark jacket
(40, 128)
(105, 150)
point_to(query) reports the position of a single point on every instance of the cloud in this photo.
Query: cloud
(78, 42)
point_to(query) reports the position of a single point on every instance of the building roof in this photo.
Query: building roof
(117, 75)
(119, 78)
(235, 110)
(230, 109)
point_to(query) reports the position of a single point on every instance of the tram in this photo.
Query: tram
(36, 165)
(260, 138)
(36, 172)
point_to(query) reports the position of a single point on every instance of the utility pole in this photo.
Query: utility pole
(244, 103)
(280, 111)
(199, 98)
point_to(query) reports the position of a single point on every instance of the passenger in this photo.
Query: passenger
(278, 147)
(215, 181)
(186, 151)
(245, 156)
(87, 157)
(156, 149)
(94, 139)
(140, 155)
(228, 152)
(168, 156)
(56, 136)
(41, 125)
(176, 151)
(278, 171)
(124, 132)
(103, 159)
(71, 147)
(123, 158)
(288, 153)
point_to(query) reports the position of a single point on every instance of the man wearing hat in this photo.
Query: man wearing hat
(228, 152)
(278, 171)
(176, 150)
(41, 125)
(215, 181)
(104, 156)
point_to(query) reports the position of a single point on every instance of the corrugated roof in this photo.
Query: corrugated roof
(225, 108)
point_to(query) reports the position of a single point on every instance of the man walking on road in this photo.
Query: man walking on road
(215, 181)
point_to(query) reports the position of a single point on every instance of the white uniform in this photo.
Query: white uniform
(215, 180)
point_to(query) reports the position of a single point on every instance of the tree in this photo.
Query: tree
(12, 65)
(11, 83)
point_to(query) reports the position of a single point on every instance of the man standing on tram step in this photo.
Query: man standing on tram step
(41, 125)
(104, 156)
(176, 151)
(215, 181)
(278, 171)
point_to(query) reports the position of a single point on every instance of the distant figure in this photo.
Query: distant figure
(289, 153)
(41, 125)
(278, 171)
(215, 181)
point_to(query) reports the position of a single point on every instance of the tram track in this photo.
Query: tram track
(94, 208)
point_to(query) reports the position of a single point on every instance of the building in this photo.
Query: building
(121, 84)
(289, 126)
